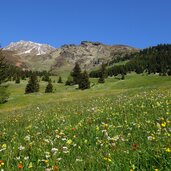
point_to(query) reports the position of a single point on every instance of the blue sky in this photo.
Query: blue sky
(138, 23)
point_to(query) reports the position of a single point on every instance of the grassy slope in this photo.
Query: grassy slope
(108, 127)
(113, 85)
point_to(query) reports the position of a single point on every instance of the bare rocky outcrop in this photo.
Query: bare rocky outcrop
(89, 54)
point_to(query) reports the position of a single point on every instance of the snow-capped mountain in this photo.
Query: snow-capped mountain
(28, 47)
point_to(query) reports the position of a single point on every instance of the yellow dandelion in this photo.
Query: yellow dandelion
(69, 142)
(163, 124)
(1, 163)
(30, 165)
(107, 159)
(168, 150)
(46, 161)
(4, 146)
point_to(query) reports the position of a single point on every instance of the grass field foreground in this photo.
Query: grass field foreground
(117, 126)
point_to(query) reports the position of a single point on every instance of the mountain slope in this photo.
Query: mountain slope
(37, 56)
(88, 54)
(34, 56)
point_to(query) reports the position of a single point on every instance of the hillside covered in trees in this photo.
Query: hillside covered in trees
(156, 59)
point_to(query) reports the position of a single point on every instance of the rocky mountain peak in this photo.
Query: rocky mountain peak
(28, 47)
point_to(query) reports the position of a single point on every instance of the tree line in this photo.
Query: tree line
(155, 59)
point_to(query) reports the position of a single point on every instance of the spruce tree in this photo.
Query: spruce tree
(103, 74)
(3, 68)
(122, 76)
(3, 78)
(69, 80)
(60, 79)
(76, 73)
(49, 87)
(45, 77)
(101, 79)
(33, 85)
(17, 81)
(84, 82)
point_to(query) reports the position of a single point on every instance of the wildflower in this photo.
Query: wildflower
(48, 169)
(79, 160)
(21, 147)
(134, 146)
(26, 158)
(18, 158)
(107, 159)
(1, 163)
(4, 146)
(69, 142)
(168, 150)
(106, 126)
(54, 150)
(47, 155)
(58, 159)
(152, 137)
(27, 138)
(20, 165)
(163, 124)
(73, 129)
(30, 165)
(156, 169)
(46, 140)
(63, 139)
(46, 162)
(55, 167)
(162, 118)
(65, 150)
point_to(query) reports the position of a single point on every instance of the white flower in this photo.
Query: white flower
(59, 159)
(27, 138)
(48, 169)
(47, 155)
(26, 158)
(57, 136)
(79, 160)
(18, 158)
(63, 139)
(54, 150)
(65, 149)
(150, 138)
(21, 147)
(46, 140)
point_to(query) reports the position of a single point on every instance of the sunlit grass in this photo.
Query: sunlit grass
(119, 125)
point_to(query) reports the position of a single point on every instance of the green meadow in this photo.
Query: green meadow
(121, 125)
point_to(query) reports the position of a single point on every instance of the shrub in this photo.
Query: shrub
(49, 87)
(3, 94)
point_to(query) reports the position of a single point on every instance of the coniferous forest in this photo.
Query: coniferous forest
(154, 60)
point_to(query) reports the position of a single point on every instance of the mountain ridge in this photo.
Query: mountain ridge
(36, 56)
